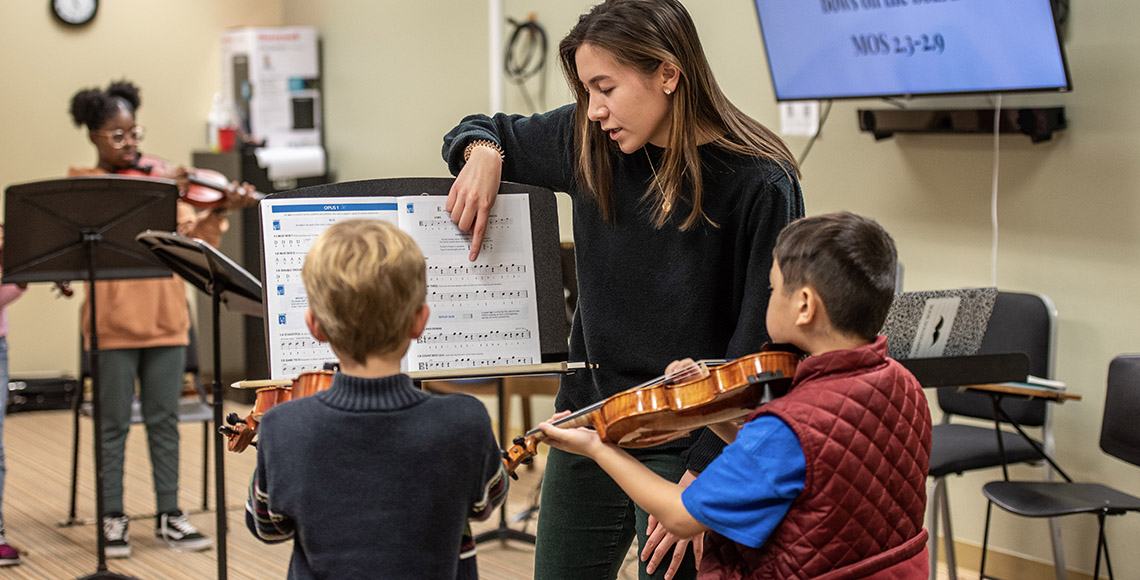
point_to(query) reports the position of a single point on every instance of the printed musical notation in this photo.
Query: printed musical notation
(468, 362)
(494, 335)
(476, 295)
(482, 313)
(475, 269)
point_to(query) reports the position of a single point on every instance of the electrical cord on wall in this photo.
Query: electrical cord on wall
(525, 57)
(994, 193)
(822, 120)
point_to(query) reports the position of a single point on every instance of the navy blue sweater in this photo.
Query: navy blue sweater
(649, 296)
(375, 479)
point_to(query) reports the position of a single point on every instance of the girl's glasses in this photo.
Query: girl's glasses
(119, 137)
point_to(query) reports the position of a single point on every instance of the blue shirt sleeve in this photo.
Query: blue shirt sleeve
(748, 489)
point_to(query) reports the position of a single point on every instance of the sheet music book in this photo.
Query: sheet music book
(483, 313)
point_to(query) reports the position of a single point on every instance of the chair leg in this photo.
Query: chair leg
(948, 534)
(1101, 543)
(1058, 549)
(985, 540)
(932, 517)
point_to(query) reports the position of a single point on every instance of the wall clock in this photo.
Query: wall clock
(74, 12)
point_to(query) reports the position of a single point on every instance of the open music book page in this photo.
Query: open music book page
(483, 313)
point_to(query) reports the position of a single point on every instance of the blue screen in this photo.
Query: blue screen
(824, 49)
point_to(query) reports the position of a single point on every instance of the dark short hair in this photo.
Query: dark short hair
(92, 107)
(849, 260)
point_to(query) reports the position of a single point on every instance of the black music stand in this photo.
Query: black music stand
(225, 282)
(84, 228)
(505, 532)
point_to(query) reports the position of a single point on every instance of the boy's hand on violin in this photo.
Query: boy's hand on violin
(577, 440)
(473, 194)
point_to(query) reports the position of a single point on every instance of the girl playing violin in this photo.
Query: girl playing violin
(143, 325)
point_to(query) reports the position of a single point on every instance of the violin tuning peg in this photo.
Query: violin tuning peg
(514, 476)
(227, 431)
(528, 461)
(233, 419)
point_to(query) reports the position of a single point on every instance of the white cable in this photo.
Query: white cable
(994, 194)
(495, 31)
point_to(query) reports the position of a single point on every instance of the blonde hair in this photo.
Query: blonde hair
(365, 280)
(643, 34)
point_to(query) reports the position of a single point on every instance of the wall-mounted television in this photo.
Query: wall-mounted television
(841, 49)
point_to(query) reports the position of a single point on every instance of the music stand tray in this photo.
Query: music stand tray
(84, 228)
(225, 282)
(207, 269)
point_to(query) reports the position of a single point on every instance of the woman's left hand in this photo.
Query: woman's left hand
(241, 196)
(660, 540)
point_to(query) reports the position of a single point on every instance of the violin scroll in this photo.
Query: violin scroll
(241, 432)
(521, 453)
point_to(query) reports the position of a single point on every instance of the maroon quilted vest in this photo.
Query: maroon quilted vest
(864, 427)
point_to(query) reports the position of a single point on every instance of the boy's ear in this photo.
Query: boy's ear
(420, 321)
(314, 326)
(807, 305)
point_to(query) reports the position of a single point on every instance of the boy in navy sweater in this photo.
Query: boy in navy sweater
(373, 477)
(830, 479)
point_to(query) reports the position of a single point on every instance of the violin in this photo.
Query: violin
(664, 409)
(241, 432)
(207, 189)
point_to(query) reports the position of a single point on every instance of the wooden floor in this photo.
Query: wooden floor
(38, 446)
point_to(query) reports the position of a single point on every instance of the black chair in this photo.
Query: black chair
(1119, 437)
(190, 408)
(1023, 323)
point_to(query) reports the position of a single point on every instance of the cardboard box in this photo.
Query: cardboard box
(272, 77)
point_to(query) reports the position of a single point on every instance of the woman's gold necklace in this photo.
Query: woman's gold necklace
(665, 205)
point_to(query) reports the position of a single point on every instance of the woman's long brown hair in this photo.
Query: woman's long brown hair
(643, 34)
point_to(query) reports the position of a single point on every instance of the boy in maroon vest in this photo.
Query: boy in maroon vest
(829, 479)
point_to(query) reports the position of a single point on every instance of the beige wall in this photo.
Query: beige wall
(170, 49)
(397, 75)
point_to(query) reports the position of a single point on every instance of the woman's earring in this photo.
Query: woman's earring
(668, 91)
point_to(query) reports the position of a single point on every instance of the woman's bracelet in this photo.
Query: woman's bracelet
(483, 143)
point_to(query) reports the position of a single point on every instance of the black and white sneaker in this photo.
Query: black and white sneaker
(116, 535)
(178, 533)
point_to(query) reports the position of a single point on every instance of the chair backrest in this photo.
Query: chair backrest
(1023, 323)
(1119, 431)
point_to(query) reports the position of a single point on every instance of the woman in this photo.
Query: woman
(678, 198)
(143, 327)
